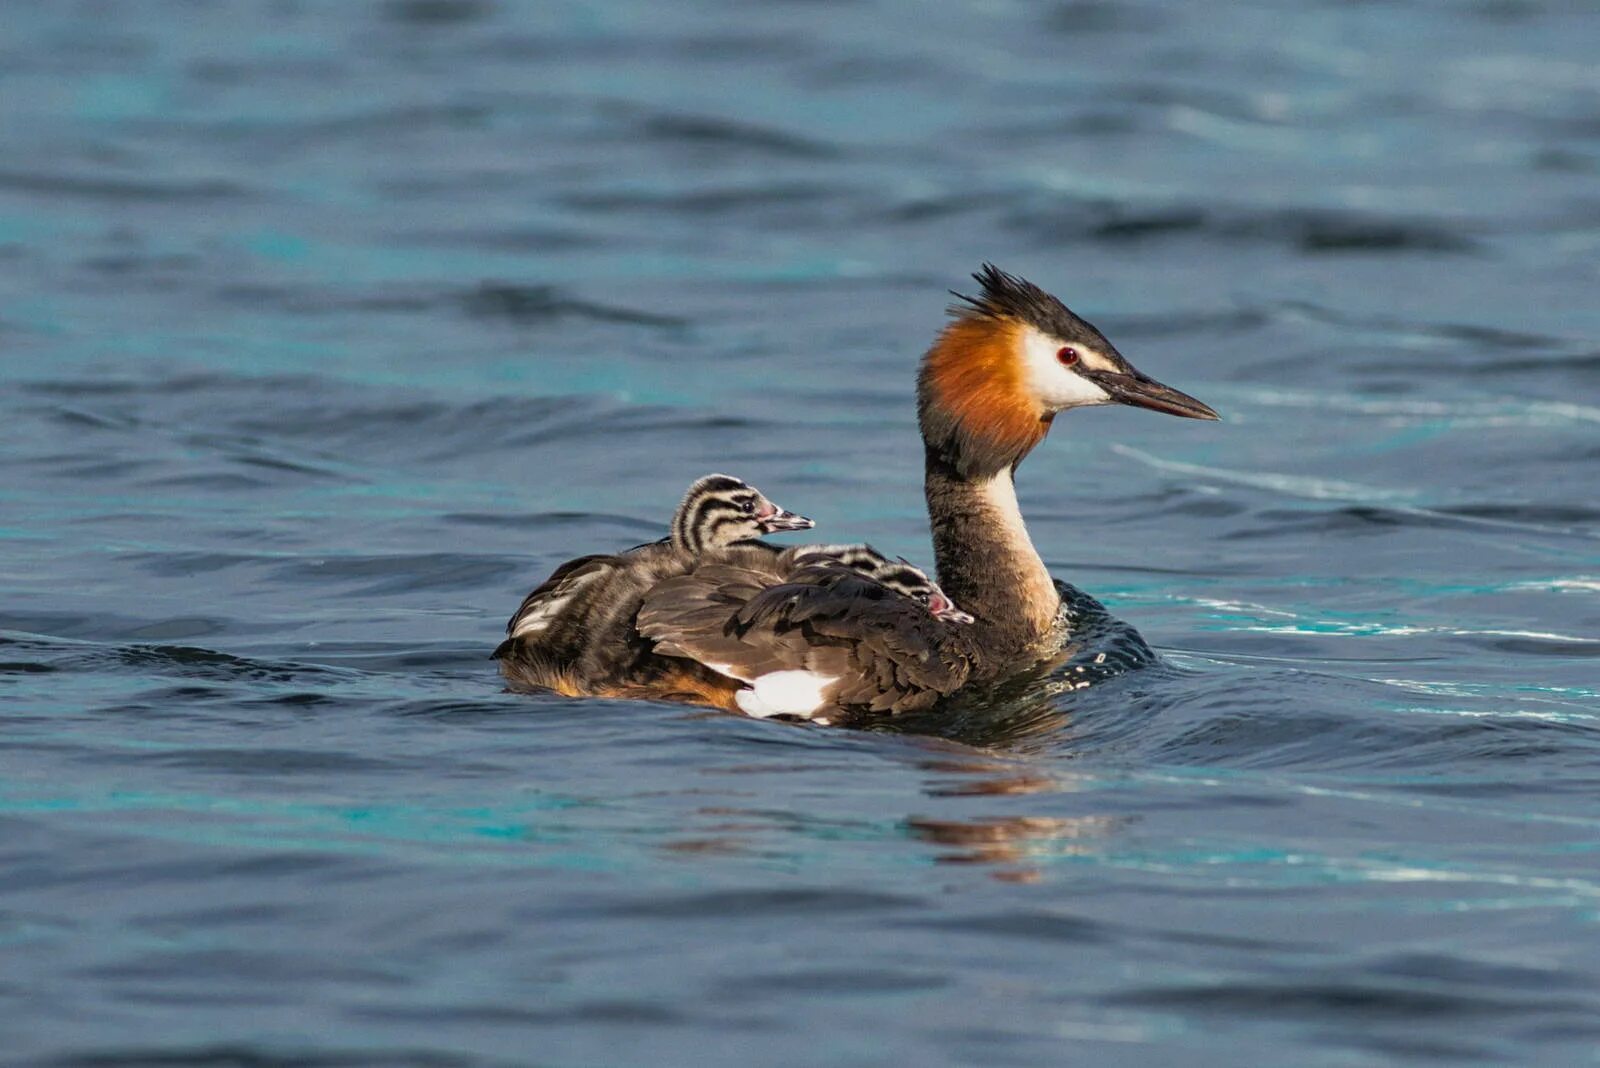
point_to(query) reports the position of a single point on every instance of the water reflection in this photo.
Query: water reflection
(1034, 707)
(989, 720)
(961, 800)
(1015, 844)
(1018, 842)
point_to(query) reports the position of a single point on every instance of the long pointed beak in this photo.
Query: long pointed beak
(782, 520)
(1143, 392)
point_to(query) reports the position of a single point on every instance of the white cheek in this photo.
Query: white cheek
(1056, 387)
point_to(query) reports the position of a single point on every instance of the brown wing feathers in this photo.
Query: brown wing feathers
(887, 653)
(660, 621)
(692, 617)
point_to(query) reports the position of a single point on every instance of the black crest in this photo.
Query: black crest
(1005, 296)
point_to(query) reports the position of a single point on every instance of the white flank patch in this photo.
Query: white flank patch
(750, 706)
(785, 693)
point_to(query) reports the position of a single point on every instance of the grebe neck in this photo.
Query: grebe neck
(987, 562)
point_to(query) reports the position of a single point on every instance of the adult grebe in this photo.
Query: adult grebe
(745, 627)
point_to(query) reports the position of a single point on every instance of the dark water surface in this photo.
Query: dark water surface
(326, 330)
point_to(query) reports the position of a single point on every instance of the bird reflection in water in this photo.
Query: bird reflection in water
(1014, 844)
(975, 747)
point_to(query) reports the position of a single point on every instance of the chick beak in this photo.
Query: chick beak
(780, 520)
(1142, 391)
(943, 608)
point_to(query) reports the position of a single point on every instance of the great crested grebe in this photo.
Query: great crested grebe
(753, 628)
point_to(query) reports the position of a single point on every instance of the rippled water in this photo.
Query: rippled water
(327, 330)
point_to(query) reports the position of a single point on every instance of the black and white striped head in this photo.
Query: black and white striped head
(909, 580)
(900, 575)
(858, 556)
(721, 510)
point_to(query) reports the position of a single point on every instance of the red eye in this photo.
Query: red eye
(1068, 356)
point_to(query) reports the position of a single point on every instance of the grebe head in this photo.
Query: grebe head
(911, 581)
(899, 575)
(721, 510)
(1013, 357)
